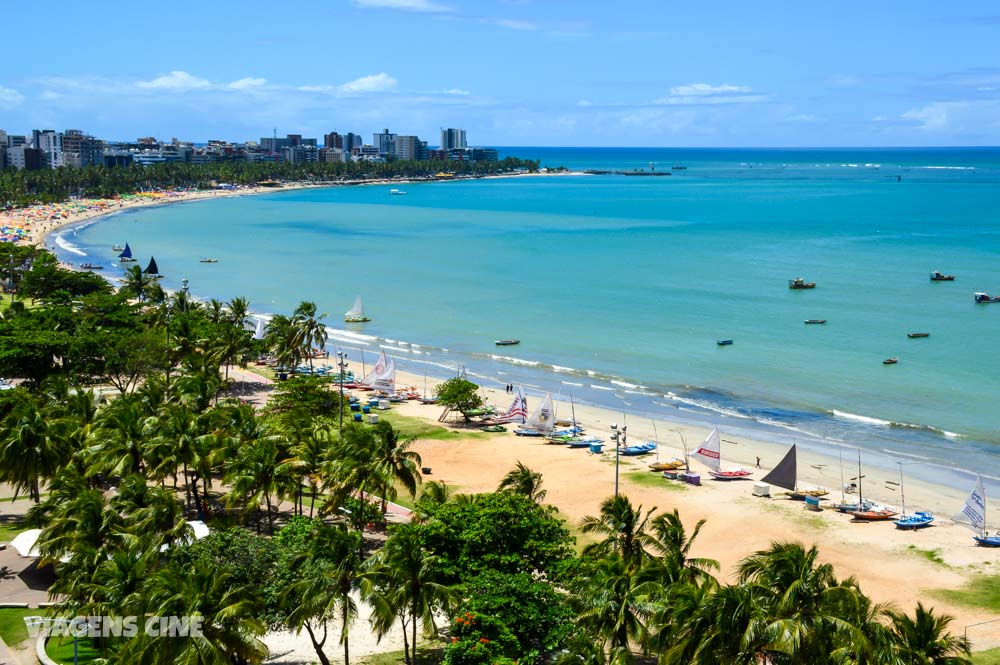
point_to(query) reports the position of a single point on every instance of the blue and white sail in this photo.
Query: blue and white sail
(973, 514)
(543, 417)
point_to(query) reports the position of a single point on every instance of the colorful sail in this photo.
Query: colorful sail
(785, 473)
(543, 418)
(377, 370)
(710, 452)
(126, 253)
(973, 513)
(385, 381)
(517, 411)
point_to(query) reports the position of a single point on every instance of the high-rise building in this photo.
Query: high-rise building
(385, 142)
(352, 141)
(50, 142)
(453, 138)
(23, 156)
(410, 148)
(81, 150)
(333, 140)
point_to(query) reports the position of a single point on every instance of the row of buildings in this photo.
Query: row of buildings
(46, 148)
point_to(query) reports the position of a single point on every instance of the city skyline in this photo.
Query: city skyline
(514, 72)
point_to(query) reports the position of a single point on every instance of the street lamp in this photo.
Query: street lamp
(620, 438)
(341, 366)
(77, 627)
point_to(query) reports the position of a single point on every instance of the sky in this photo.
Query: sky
(661, 73)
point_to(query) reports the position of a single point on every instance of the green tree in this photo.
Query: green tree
(459, 394)
(522, 480)
(622, 528)
(923, 639)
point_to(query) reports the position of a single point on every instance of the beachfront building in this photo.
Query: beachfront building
(409, 148)
(49, 142)
(333, 155)
(452, 139)
(81, 149)
(23, 156)
(276, 146)
(386, 143)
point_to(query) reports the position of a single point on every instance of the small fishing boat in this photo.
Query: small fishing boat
(397, 192)
(845, 507)
(639, 449)
(917, 520)
(357, 313)
(800, 495)
(152, 268)
(799, 283)
(983, 298)
(710, 454)
(815, 322)
(725, 342)
(973, 516)
(917, 335)
(539, 423)
(507, 342)
(493, 428)
(890, 361)
(672, 465)
(583, 442)
(873, 514)
(208, 260)
(528, 431)
(678, 167)
(91, 266)
(117, 248)
(938, 276)
(126, 255)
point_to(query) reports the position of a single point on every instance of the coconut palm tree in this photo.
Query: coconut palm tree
(327, 574)
(672, 562)
(282, 337)
(395, 460)
(256, 475)
(622, 528)
(613, 606)
(402, 583)
(115, 445)
(522, 480)
(924, 639)
(136, 283)
(33, 446)
(309, 329)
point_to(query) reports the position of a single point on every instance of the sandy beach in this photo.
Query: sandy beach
(885, 560)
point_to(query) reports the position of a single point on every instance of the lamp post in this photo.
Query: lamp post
(620, 438)
(77, 628)
(341, 366)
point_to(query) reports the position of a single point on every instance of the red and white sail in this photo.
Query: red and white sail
(710, 452)
(517, 411)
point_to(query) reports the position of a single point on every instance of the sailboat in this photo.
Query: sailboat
(516, 412)
(126, 255)
(973, 515)
(671, 465)
(383, 375)
(152, 268)
(427, 399)
(710, 454)
(919, 519)
(357, 313)
(869, 512)
(860, 504)
(785, 475)
(541, 420)
(259, 329)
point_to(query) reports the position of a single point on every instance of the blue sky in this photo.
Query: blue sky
(512, 72)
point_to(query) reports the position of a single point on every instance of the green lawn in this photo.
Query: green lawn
(654, 479)
(12, 628)
(60, 649)
(425, 656)
(991, 657)
(982, 591)
(934, 556)
(421, 429)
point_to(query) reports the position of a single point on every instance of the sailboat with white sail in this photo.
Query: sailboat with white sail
(918, 519)
(710, 454)
(541, 421)
(785, 476)
(382, 378)
(356, 314)
(973, 515)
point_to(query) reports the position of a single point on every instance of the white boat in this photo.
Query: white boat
(710, 454)
(383, 375)
(973, 515)
(357, 313)
(397, 192)
(542, 420)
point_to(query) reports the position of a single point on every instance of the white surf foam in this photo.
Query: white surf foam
(68, 246)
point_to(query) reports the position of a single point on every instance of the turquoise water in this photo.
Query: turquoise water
(619, 286)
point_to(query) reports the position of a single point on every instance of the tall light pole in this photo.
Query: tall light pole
(620, 438)
(341, 366)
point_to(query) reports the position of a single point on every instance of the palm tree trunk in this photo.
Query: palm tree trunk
(406, 641)
(312, 502)
(347, 649)
(318, 645)
(414, 629)
(270, 518)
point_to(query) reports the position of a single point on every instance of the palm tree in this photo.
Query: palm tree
(395, 460)
(116, 443)
(623, 528)
(613, 606)
(309, 329)
(402, 582)
(33, 447)
(136, 283)
(282, 338)
(256, 474)
(522, 480)
(672, 546)
(924, 639)
(327, 574)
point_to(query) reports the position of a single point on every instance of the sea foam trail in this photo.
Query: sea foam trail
(68, 246)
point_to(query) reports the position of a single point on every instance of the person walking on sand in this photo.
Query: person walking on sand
(758, 461)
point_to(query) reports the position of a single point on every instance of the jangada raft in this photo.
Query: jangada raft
(357, 313)
(710, 453)
(785, 476)
(973, 515)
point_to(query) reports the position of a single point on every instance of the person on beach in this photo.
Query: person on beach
(758, 461)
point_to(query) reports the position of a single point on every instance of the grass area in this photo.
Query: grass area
(22, 497)
(421, 429)
(934, 556)
(60, 649)
(11, 529)
(991, 657)
(12, 628)
(981, 592)
(654, 479)
(425, 656)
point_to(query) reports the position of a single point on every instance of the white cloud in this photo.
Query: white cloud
(705, 93)
(934, 117)
(9, 98)
(373, 83)
(584, 102)
(455, 91)
(50, 95)
(513, 24)
(705, 89)
(175, 80)
(247, 83)
(426, 6)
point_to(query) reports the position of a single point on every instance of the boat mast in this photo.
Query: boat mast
(902, 495)
(687, 464)
(364, 372)
(656, 439)
(843, 499)
(861, 498)
(572, 406)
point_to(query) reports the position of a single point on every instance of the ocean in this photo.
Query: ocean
(619, 287)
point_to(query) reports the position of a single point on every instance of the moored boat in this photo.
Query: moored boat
(397, 192)
(815, 322)
(117, 248)
(207, 260)
(983, 298)
(724, 342)
(917, 520)
(672, 465)
(735, 474)
(638, 449)
(874, 514)
(785, 476)
(126, 255)
(710, 454)
(973, 516)
(799, 283)
(890, 361)
(938, 276)
(507, 342)
(917, 335)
